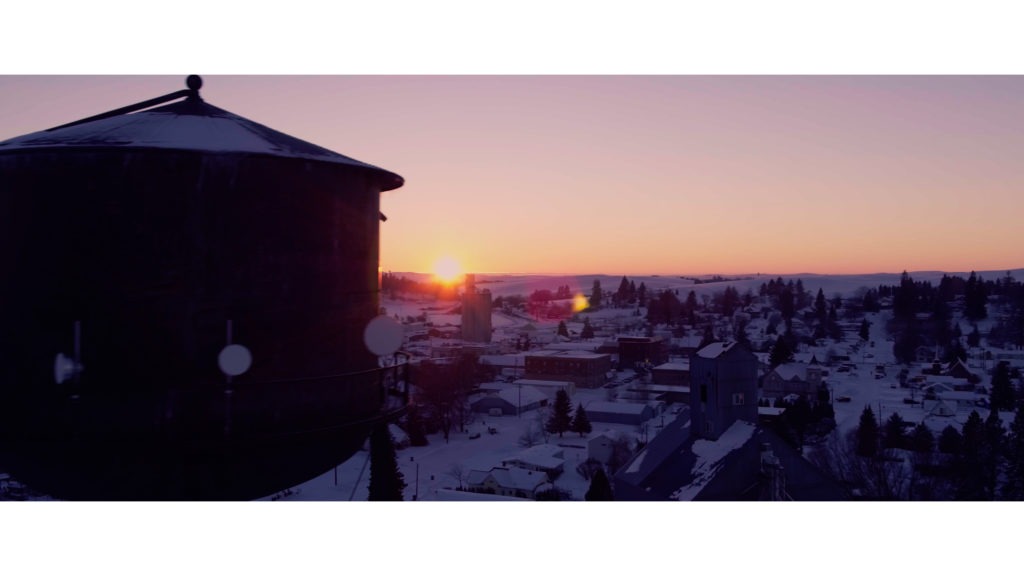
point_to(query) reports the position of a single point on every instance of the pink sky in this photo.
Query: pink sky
(643, 174)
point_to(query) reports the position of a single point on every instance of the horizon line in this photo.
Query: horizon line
(731, 276)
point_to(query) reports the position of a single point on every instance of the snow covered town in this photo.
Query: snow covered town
(659, 388)
(814, 388)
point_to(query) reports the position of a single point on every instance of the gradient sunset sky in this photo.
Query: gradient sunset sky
(643, 174)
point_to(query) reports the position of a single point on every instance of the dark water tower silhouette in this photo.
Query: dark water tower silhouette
(135, 247)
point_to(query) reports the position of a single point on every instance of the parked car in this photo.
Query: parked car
(843, 399)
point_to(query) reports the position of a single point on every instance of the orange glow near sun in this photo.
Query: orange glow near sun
(580, 303)
(447, 270)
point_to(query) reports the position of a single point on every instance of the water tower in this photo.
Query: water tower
(183, 305)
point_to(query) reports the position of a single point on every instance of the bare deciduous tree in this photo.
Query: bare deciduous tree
(887, 476)
(532, 435)
(457, 471)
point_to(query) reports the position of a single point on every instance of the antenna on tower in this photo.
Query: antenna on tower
(65, 368)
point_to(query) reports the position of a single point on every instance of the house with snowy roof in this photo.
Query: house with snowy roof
(449, 495)
(601, 446)
(510, 401)
(547, 458)
(792, 378)
(511, 481)
(959, 370)
(672, 373)
(550, 387)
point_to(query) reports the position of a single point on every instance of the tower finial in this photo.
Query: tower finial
(194, 82)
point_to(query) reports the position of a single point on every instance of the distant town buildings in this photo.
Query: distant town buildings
(635, 350)
(584, 369)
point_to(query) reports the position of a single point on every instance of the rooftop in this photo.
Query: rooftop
(191, 125)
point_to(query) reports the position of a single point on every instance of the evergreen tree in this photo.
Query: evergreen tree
(867, 434)
(386, 480)
(993, 446)
(600, 488)
(802, 298)
(580, 422)
(691, 308)
(622, 294)
(641, 294)
(950, 441)
(588, 331)
(820, 307)
(894, 434)
(955, 351)
(870, 302)
(1001, 395)
(904, 303)
(1013, 489)
(781, 353)
(974, 338)
(921, 439)
(786, 305)
(865, 334)
(595, 295)
(561, 415)
(691, 302)
(975, 298)
(707, 338)
(907, 342)
(563, 330)
(971, 471)
(414, 427)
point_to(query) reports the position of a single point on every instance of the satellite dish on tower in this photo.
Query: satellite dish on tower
(234, 359)
(65, 368)
(383, 336)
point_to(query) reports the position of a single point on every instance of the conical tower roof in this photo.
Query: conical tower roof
(190, 124)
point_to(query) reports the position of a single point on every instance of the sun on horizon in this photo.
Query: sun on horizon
(447, 269)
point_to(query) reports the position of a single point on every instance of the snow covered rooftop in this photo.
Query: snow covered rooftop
(448, 495)
(543, 458)
(710, 455)
(517, 478)
(191, 125)
(504, 360)
(791, 371)
(534, 382)
(715, 349)
(525, 395)
(577, 354)
(616, 408)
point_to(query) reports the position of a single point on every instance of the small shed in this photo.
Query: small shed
(601, 446)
